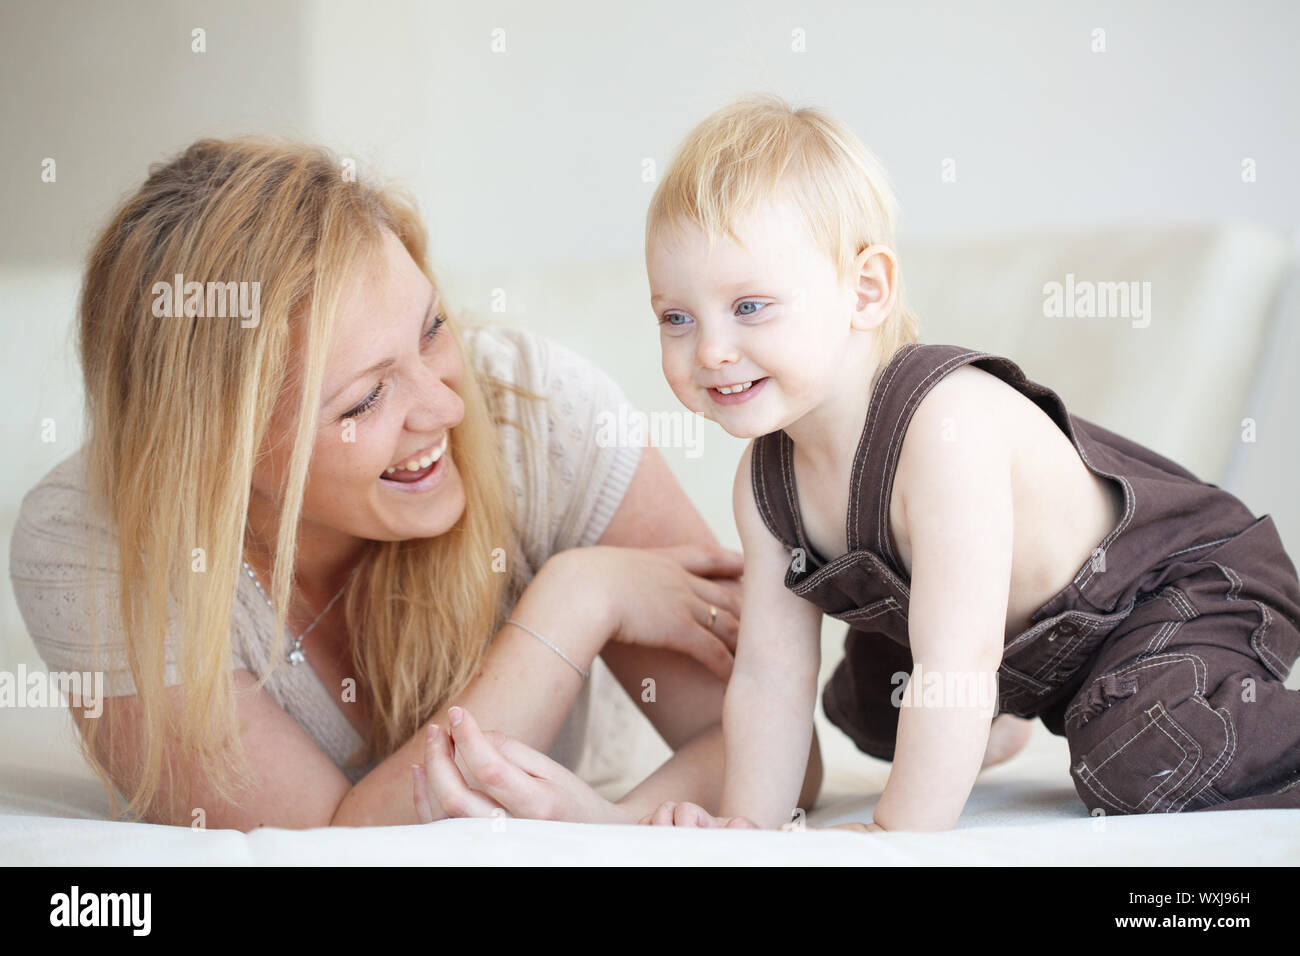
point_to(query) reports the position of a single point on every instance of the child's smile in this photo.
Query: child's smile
(737, 393)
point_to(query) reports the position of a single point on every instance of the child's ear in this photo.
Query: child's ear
(875, 271)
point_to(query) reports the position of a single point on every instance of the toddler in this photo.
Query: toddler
(1006, 554)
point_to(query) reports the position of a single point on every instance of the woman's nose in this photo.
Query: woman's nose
(436, 405)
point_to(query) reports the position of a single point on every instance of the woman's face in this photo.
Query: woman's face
(381, 467)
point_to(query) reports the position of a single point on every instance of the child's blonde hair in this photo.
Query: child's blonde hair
(759, 146)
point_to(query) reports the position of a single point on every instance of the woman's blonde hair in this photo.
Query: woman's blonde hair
(760, 147)
(177, 413)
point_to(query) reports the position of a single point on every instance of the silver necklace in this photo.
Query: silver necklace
(296, 654)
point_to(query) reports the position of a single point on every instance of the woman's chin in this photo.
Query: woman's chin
(424, 514)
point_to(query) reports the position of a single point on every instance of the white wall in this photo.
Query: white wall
(536, 152)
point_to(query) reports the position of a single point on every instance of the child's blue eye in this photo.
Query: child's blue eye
(742, 310)
(668, 318)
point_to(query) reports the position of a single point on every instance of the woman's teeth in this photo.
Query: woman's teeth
(732, 389)
(417, 464)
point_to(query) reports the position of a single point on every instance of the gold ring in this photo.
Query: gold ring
(713, 616)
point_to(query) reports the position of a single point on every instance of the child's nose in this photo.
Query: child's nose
(714, 349)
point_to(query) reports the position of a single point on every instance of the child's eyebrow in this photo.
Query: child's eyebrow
(730, 290)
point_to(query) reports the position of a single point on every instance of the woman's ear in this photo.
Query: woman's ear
(875, 271)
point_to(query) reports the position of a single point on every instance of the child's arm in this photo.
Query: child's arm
(954, 476)
(767, 712)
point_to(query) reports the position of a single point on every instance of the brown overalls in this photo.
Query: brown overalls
(1161, 662)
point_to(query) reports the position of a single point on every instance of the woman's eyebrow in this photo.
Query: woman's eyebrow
(388, 362)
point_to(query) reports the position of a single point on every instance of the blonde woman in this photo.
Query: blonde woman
(302, 530)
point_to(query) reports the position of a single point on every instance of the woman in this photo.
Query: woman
(421, 506)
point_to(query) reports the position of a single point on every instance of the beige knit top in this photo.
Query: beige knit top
(567, 488)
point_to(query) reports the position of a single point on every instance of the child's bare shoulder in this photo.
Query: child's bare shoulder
(756, 538)
(969, 418)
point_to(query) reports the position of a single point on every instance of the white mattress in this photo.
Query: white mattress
(53, 811)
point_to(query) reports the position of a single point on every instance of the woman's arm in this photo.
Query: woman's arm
(525, 687)
(687, 711)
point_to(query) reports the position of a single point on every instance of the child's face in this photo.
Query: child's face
(769, 310)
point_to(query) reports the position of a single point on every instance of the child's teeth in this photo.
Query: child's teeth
(732, 389)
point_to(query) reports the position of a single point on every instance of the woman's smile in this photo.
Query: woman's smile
(430, 467)
(422, 459)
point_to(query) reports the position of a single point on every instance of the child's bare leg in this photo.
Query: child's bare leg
(1007, 736)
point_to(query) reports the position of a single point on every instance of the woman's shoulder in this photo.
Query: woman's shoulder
(568, 477)
(54, 514)
(530, 360)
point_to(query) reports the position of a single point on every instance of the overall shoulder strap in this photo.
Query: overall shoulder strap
(771, 494)
(904, 381)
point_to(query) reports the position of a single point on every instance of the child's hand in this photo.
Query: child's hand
(872, 827)
(672, 814)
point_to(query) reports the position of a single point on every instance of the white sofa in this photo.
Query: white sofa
(1214, 350)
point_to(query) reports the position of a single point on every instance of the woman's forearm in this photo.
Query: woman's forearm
(523, 689)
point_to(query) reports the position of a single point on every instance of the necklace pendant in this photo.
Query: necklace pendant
(296, 656)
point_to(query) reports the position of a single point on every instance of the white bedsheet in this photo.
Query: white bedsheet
(53, 811)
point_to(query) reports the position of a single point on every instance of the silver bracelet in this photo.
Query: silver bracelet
(568, 660)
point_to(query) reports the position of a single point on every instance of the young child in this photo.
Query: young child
(970, 530)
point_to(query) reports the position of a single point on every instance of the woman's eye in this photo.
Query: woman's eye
(367, 403)
(433, 329)
(749, 302)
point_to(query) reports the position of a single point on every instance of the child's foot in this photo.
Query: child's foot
(1007, 736)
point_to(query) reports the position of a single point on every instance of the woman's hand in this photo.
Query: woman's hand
(684, 598)
(672, 814)
(517, 780)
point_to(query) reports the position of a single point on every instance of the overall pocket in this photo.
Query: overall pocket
(1157, 744)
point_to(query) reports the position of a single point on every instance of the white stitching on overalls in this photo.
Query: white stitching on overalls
(1220, 764)
(859, 616)
(873, 417)
(1175, 596)
(758, 479)
(1168, 636)
(1196, 547)
(1083, 769)
(1199, 671)
(1155, 644)
(1167, 783)
(1257, 635)
(1216, 767)
(1233, 579)
(904, 421)
(786, 462)
(1173, 786)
